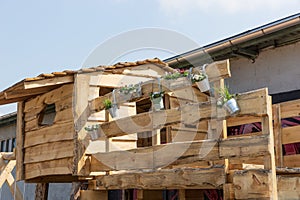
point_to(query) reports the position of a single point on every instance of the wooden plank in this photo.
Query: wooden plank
(181, 194)
(32, 125)
(22, 94)
(218, 70)
(291, 160)
(236, 121)
(183, 153)
(64, 115)
(20, 143)
(288, 187)
(48, 82)
(278, 135)
(54, 167)
(54, 133)
(290, 109)
(210, 178)
(92, 194)
(7, 171)
(56, 95)
(291, 134)
(49, 151)
(267, 129)
(8, 155)
(252, 184)
(13, 187)
(253, 146)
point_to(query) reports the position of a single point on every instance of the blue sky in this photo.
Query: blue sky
(45, 36)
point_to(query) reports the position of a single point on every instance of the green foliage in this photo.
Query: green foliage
(91, 128)
(129, 89)
(107, 104)
(198, 77)
(154, 95)
(225, 95)
(175, 75)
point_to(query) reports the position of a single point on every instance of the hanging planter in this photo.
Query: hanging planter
(177, 79)
(231, 106)
(201, 80)
(129, 92)
(157, 100)
(92, 131)
(111, 107)
(228, 101)
(203, 85)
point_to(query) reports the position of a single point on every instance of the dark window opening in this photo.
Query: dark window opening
(47, 116)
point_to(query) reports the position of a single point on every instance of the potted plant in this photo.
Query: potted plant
(201, 81)
(176, 79)
(93, 131)
(228, 101)
(157, 100)
(112, 108)
(130, 91)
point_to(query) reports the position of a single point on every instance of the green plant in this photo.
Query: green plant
(107, 103)
(225, 95)
(129, 89)
(154, 95)
(175, 75)
(198, 77)
(91, 128)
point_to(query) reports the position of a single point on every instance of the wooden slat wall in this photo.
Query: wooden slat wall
(286, 135)
(49, 149)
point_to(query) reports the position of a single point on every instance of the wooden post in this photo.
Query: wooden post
(267, 128)
(181, 194)
(278, 135)
(139, 195)
(20, 143)
(41, 191)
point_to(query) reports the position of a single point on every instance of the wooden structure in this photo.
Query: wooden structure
(7, 165)
(183, 147)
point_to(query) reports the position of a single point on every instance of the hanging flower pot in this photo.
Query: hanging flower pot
(201, 81)
(129, 92)
(203, 85)
(113, 111)
(176, 79)
(231, 106)
(228, 101)
(157, 100)
(93, 131)
(112, 108)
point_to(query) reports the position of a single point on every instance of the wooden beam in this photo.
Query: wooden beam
(182, 153)
(7, 171)
(49, 151)
(252, 184)
(291, 160)
(288, 187)
(290, 109)
(20, 142)
(290, 135)
(48, 82)
(209, 178)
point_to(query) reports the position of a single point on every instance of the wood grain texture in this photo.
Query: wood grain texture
(209, 178)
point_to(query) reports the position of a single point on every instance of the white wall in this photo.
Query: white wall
(278, 69)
